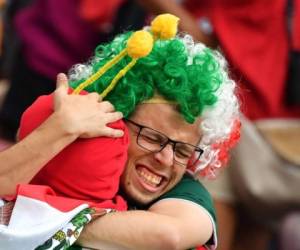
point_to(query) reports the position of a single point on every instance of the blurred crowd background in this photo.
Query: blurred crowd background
(258, 196)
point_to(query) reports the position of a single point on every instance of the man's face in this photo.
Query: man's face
(148, 175)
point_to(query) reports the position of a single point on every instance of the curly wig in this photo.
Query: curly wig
(188, 73)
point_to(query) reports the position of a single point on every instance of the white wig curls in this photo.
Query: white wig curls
(220, 124)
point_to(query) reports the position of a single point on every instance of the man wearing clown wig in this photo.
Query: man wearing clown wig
(181, 117)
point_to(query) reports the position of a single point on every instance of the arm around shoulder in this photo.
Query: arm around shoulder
(169, 224)
(192, 224)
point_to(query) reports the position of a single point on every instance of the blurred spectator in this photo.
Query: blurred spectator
(261, 40)
(289, 234)
(3, 83)
(51, 36)
(2, 6)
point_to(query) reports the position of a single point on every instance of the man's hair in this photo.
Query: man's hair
(180, 70)
(169, 70)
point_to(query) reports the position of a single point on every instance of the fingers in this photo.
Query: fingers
(110, 132)
(113, 117)
(106, 106)
(95, 96)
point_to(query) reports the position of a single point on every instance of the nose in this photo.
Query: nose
(165, 156)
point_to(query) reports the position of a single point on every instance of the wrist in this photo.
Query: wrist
(63, 126)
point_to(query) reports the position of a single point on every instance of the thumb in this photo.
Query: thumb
(61, 90)
(62, 83)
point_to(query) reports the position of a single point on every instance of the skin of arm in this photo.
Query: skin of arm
(166, 225)
(187, 22)
(21, 162)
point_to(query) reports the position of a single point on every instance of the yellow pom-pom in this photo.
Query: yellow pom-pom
(164, 26)
(139, 44)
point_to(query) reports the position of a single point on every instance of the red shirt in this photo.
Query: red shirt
(87, 169)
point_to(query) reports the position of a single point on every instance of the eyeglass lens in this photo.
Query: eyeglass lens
(155, 141)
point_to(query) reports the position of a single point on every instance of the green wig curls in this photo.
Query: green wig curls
(189, 76)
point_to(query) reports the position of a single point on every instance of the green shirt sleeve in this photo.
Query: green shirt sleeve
(192, 190)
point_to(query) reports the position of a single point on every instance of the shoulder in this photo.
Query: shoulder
(191, 190)
(190, 201)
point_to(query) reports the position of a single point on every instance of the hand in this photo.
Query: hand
(85, 116)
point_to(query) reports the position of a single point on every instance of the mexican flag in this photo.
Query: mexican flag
(39, 219)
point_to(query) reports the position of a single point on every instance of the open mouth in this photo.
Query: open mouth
(149, 180)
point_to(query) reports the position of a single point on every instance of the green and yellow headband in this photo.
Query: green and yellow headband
(139, 45)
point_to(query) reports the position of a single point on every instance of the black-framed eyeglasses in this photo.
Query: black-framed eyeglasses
(154, 141)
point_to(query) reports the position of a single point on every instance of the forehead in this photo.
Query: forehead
(166, 119)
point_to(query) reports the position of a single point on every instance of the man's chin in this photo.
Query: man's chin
(144, 202)
(137, 199)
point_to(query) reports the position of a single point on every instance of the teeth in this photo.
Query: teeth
(149, 178)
